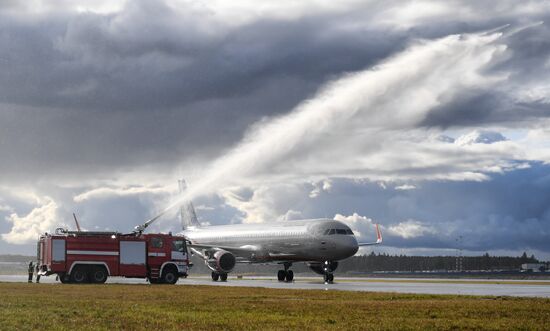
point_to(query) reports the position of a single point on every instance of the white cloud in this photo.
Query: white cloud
(204, 208)
(410, 14)
(319, 187)
(27, 228)
(41, 7)
(6, 208)
(109, 192)
(536, 143)
(265, 203)
(480, 137)
(292, 215)
(411, 229)
(538, 93)
(405, 187)
(362, 226)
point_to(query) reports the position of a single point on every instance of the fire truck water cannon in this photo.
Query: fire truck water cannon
(93, 256)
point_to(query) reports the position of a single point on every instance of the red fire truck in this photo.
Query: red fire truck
(91, 257)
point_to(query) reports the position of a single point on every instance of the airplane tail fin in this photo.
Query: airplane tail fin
(187, 211)
(378, 237)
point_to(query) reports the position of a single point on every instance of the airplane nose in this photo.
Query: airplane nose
(354, 247)
(348, 246)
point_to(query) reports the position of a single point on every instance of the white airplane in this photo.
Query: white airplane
(320, 243)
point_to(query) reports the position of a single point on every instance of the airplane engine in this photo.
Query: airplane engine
(319, 268)
(222, 261)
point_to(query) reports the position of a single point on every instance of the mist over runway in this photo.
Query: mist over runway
(494, 287)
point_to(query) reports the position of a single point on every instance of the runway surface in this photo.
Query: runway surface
(493, 287)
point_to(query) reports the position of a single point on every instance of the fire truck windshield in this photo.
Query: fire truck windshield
(178, 246)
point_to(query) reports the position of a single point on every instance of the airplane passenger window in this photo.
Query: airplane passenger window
(341, 231)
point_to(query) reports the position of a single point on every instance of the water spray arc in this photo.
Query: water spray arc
(396, 94)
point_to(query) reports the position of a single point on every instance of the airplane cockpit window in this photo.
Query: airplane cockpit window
(337, 231)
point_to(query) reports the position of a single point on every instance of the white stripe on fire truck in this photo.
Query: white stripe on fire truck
(92, 253)
(157, 254)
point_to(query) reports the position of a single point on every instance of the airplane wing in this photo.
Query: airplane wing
(242, 253)
(378, 238)
(235, 250)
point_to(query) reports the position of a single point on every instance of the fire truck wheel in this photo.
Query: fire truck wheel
(170, 276)
(98, 275)
(79, 275)
(63, 278)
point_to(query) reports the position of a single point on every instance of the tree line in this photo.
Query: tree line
(384, 262)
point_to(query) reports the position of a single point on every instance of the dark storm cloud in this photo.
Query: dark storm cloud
(527, 64)
(510, 211)
(87, 92)
(475, 108)
(471, 108)
(148, 57)
(507, 212)
(156, 82)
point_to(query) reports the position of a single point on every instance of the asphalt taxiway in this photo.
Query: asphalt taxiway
(493, 287)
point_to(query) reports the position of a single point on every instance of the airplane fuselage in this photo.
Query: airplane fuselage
(314, 240)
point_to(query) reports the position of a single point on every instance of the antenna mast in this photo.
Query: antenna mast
(76, 221)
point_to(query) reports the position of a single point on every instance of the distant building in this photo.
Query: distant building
(534, 267)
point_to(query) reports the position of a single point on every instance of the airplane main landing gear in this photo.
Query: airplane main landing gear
(329, 278)
(219, 276)
(285, 275)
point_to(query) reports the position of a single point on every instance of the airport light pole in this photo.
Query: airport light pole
(458, 266)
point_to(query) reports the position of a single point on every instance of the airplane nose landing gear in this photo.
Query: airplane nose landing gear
(328, 269)
(285, 275)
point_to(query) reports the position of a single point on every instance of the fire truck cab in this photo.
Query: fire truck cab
(91, 257)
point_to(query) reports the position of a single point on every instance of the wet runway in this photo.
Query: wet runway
(522, 288)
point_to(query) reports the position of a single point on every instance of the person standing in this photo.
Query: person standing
(31, 271)
(37, 269)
